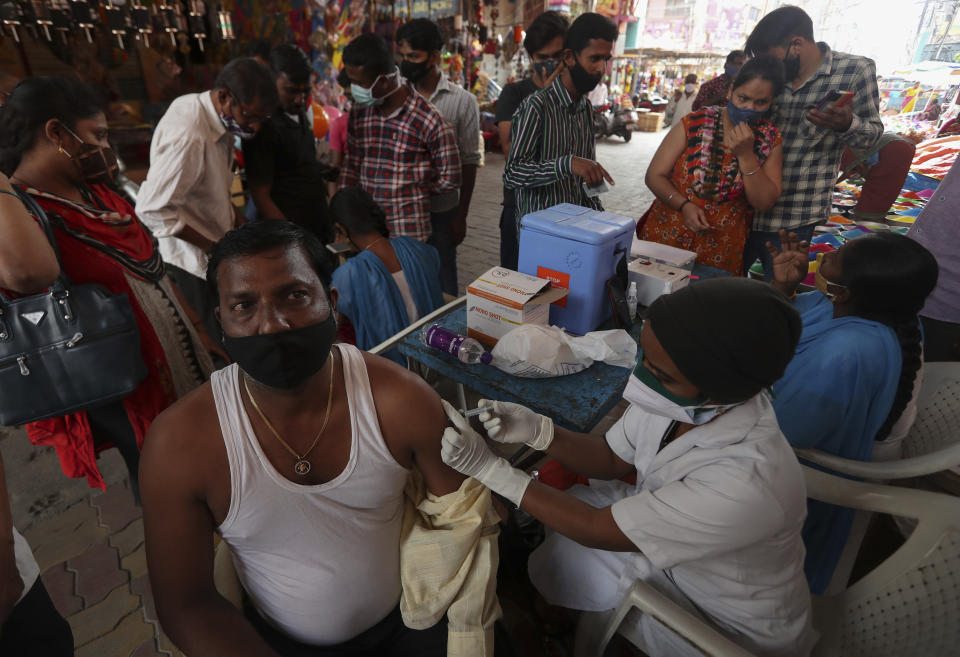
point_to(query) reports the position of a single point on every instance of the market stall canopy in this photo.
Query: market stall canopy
(930, 73)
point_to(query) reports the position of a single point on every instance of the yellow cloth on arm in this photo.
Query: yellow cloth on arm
(448, 564)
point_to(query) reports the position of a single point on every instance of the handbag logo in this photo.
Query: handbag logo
(34, 318)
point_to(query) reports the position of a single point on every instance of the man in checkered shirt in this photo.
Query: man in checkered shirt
(813, 140)
(399, 148)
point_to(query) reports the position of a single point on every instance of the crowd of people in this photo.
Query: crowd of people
(353, 505)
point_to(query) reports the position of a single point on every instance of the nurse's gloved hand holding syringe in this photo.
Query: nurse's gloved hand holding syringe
(464, 450)
(515, 424)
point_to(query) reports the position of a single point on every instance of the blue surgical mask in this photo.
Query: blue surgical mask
(731, 71)
(738, 115)
(363, 96)
(231, 124)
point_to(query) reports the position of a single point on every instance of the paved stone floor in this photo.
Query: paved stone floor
(89, 543)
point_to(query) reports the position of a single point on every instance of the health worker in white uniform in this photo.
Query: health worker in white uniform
(714, 519)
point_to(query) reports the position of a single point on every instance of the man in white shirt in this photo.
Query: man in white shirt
(689, 95)
(419, 43)
(185, 199)
(715, 517)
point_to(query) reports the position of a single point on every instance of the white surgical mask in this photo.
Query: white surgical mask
(643, 396)
(689, 87)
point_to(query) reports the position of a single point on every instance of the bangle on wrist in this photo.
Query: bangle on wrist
(685, 201)
(750, 173)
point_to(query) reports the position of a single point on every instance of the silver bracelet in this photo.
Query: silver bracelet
(750, 173)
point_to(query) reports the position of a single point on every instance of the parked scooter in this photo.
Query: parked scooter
(611, 120)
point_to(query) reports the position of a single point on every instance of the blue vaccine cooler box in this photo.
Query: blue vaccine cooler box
(577, 248)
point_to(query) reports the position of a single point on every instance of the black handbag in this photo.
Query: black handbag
(70, 348)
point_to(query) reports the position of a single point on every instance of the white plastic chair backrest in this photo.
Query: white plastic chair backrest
(938, 411)
(909, 604)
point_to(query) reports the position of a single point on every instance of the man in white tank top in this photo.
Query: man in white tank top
(297, 455)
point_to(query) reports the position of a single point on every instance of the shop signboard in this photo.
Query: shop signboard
(434, 8)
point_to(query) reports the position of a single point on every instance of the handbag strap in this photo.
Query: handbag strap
(63, 281)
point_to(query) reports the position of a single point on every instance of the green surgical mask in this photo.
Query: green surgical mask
(648, 379)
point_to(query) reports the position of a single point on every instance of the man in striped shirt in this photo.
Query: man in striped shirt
(552, 146)
(419, 43)
(399, 148)
(813, 139)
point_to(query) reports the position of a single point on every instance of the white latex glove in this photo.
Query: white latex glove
(464, 450)
(513, 423)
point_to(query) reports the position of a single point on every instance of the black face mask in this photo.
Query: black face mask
(545, 68)
(287, 359)
(583, 82)
(791, 68)
(415, 71)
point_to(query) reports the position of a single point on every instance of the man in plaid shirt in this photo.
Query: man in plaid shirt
(813, 140)
(399, 148)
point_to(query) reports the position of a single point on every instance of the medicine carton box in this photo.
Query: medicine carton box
(577, 248)
(502, 299)
(655, 278)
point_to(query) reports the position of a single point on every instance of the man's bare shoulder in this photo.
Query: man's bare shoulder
(408, 408)
(189, 426)
(397, 385)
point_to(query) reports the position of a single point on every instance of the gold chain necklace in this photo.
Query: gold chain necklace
(376, 241)
(302, 465)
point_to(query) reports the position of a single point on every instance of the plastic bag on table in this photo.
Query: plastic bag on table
(537, 352)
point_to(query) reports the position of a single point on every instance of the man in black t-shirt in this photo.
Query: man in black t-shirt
(283, 175)
(544, 44)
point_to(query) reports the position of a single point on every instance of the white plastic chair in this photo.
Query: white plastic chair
(933, 444)
(595, 630)
(910, 603)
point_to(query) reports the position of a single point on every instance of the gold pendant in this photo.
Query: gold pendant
(301, 467)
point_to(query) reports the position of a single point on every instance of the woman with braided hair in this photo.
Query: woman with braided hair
(856, 368)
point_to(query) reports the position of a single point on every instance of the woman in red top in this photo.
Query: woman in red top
(53, 145)
(714, 168)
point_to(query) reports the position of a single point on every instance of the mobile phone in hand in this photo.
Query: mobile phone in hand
(596, 190)
(836, 98)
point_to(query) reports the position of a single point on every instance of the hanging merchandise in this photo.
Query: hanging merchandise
(83, 16)
(140, 16)
(38, 12)
(168, 18)
(61, 17)
(116, 22)
(11, 15)
(321, 121)
(225, 19)
(198, 28)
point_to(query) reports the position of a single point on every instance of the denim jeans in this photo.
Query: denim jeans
(756, 248)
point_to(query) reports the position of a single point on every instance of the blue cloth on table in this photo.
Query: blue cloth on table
(917, 182)
(834, 396)
(827, 238)
(370, 298)
(853, 233)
